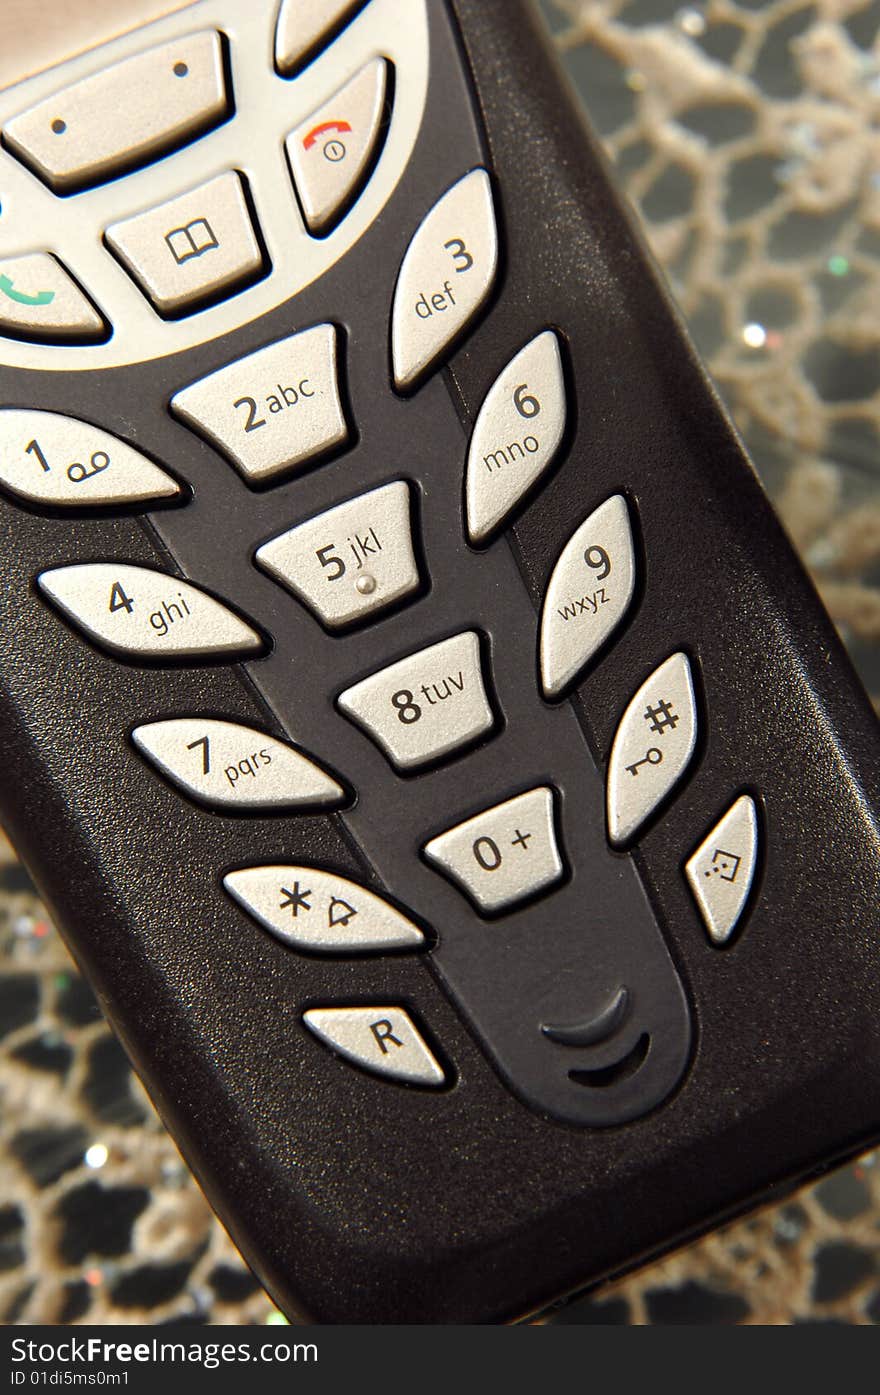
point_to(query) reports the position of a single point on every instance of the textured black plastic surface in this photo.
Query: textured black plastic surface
(355, 1199)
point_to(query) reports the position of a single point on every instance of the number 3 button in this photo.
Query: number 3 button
(504, 854)
(445, 277)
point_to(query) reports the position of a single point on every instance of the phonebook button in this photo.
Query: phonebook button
(193, 248)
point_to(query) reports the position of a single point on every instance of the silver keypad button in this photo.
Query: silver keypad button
(41, 301)
(225, 765)
(303, 25)
(447, 273)
(588, 594)
(273, 410)
(652, 749)
(351, 562)
(721, 870)
(192, 248)
(141, 613)
(426, 706)
(330, 150)
(382, 1040)
(57, 460)
(321, 912)
(503, 855)
(123, 115)
(516, 436)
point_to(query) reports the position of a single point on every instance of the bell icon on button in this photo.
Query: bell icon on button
(340, 912)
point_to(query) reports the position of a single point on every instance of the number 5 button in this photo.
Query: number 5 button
(445, 276)
(503, 855)
(350, 562)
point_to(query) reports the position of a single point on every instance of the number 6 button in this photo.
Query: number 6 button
(503, 855)
(516, 435)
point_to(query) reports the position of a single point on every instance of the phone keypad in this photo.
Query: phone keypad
(468, 784)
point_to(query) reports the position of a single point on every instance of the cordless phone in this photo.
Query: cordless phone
(412, 710)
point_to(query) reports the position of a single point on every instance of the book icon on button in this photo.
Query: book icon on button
(191, 240)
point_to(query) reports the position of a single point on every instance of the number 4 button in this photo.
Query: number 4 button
(503, 855)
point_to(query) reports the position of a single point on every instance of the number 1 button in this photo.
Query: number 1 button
(503, 855)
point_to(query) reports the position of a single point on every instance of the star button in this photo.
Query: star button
(295, 899)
